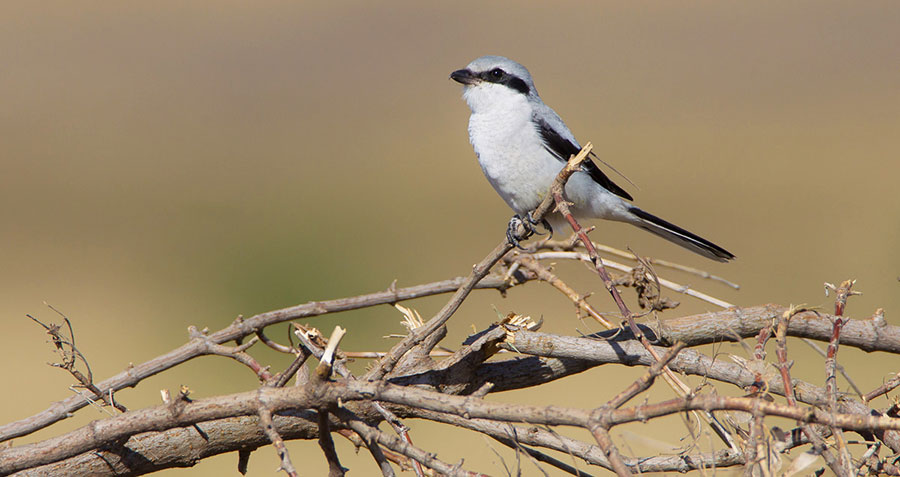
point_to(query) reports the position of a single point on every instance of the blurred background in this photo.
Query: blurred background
(168, 164)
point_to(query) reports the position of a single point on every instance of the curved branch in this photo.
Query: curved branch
(239, 329)
(872, 334)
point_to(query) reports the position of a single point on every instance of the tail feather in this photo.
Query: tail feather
(680, 236)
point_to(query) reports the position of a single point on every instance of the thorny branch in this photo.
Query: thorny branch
(71, 356)
(411, 382)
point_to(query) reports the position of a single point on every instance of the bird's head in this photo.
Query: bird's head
(492, 81)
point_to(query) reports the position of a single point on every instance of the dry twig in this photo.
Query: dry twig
(413, 381)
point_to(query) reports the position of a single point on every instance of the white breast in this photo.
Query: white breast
(509, 146)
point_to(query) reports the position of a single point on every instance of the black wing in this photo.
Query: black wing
(563, 149)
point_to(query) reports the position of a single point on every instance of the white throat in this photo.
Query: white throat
(493, 98)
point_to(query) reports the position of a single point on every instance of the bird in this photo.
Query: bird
(522, 144)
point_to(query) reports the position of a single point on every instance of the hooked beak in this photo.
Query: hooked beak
(463, 77)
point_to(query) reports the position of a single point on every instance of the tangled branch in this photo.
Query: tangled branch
(415, 380)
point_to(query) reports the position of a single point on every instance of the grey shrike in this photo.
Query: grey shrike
(522, 145)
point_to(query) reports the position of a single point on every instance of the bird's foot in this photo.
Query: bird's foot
(531, 224)
(528, 224)
(512, 231)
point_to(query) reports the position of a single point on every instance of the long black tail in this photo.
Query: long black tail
(678, 235)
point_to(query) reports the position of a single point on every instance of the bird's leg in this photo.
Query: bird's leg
(543, 222)
(512, 231)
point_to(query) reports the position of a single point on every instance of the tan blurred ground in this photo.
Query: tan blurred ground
(165, 164)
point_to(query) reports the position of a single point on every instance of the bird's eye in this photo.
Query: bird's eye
(497, 73)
